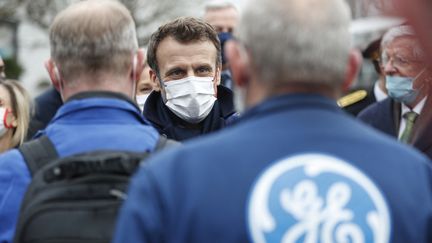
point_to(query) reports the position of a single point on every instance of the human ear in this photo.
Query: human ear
(353, 67)
(53, 73)
(239, 63)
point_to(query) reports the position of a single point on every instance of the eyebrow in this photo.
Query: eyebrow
(171, 70)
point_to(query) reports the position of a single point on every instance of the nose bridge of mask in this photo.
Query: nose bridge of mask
(189, 86)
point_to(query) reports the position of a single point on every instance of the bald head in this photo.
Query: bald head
(94, 36)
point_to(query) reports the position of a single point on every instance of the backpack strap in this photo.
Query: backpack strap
(38, 153)
(165, 142)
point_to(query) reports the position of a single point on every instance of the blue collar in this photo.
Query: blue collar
(99, 99)
(283, 103)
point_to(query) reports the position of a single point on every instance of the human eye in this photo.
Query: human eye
(400, 61)
(203, 70)
(145, 88)
(176, 73)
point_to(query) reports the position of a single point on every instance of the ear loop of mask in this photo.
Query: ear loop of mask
(5, 122)
(416, 77)
(162, 87)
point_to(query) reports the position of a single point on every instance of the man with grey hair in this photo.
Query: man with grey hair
(408, 84)
(94, 66)
(295, 168)
(224, 17)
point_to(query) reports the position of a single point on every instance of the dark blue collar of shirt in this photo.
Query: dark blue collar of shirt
(293, 102)
(85, 100)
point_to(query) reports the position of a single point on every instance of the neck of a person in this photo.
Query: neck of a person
(110, 84)
(381, 84)
(5, 141)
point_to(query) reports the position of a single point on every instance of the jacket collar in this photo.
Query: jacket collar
(88, 100)
(156, 111)
(166, 122)
(283, 103)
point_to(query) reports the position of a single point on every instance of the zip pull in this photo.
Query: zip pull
(118, 194)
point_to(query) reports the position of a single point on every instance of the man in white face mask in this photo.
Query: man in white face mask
(184, 57)
(407, 82)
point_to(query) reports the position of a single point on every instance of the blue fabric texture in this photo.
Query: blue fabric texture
(200, 191)
(90, 121)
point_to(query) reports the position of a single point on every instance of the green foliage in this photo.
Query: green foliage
(13, 69)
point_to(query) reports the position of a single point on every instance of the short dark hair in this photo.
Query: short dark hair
(183, 30)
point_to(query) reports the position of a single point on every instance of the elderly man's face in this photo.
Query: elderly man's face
(398, 59)
(223, 20)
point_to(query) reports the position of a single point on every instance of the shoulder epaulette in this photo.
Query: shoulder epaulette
(352, 98)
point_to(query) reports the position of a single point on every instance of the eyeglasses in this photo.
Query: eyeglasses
(397, 61)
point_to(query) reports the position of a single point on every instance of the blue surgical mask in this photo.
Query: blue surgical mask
(223, 38)
(401, 88)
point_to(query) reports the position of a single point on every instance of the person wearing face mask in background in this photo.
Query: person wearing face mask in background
(408, 85)
(224, 17)
(15, 109)
(184, 57)
(144, 87)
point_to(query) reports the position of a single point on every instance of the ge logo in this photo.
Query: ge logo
(316, 198)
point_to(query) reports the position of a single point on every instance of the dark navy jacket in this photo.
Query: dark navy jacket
(203, 191)
(88, 121)
(385, 116)
(46, 106)
(167, 123)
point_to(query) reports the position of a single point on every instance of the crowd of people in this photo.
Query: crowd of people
(257, 143)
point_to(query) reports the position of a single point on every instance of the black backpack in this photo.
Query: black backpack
(76, 198)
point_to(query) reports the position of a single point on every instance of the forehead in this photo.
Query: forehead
(404, 44)
(171, 52)
(223, 16)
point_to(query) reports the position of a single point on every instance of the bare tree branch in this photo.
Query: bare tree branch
(8, 7)
(148, 14)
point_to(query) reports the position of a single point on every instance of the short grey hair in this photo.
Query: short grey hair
(93, 36)
(403, 31)
(301, 41)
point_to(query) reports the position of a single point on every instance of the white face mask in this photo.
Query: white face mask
(3, 123)
(141, 99)
(191, 98)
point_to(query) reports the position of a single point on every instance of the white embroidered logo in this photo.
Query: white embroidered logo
(317, 198)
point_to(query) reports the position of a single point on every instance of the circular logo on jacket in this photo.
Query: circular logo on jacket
(317, 198)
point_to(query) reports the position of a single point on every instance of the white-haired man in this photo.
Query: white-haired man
(94, 62)
(295, 168)
(408, 85)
